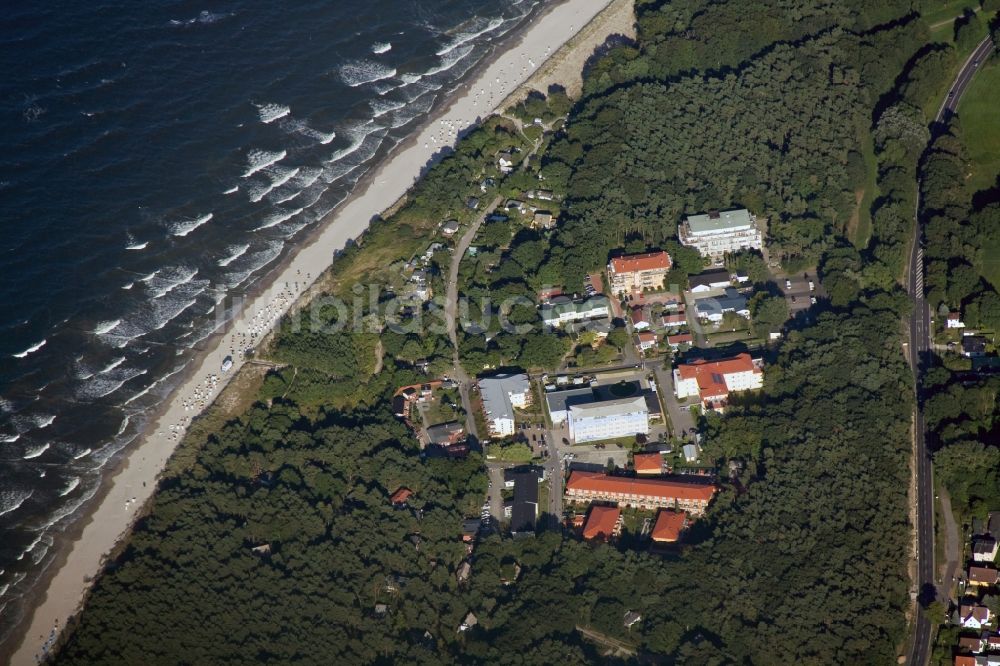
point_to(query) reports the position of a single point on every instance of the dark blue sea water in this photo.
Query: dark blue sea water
(154, 158)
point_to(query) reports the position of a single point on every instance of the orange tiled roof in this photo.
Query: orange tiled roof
(602, 483)
(669, 525)
(964, 660)
(681, 337)
(400, 496)
(647, 336)
(601, 522)
(711, 374)
(632, 263)
(648, 462)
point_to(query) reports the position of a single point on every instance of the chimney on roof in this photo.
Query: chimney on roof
(713, 214)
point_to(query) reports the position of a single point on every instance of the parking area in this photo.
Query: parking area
(801, 291)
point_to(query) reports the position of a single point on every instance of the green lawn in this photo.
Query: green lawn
(979, 113)
(940, 16)
(860, 226)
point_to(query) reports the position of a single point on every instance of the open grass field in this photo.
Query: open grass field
(979, 114)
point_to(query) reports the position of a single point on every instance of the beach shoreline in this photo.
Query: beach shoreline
(124, 493)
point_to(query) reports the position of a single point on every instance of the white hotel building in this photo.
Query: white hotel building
(714, 234)
(622, 417)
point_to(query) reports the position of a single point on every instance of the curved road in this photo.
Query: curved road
(920, 343)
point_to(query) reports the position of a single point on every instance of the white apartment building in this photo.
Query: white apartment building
(714, 234)
(565, 311)
(502, 394)
(608, 419)
(713, 381)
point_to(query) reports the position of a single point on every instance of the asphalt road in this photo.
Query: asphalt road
(920, 343)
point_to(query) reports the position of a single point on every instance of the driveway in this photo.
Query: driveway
(681, 420)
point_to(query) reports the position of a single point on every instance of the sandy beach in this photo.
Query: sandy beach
(135, 480)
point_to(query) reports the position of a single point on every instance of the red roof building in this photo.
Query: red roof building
(982, 576)
(400, 497)
(638, 272)
(639, 318)
(603, 523)
(669, 525)
(648, 463)
(965, 660)
(639, 492)
(676, 341)
(675, 319)
(713, 381)
(645, 340)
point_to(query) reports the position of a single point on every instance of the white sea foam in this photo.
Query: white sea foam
(10, 438)
(271, 112)
(234, 253)
(279, 176)
(106, 326)
(277, 218)
(360, 72)
(357, 134)
(204, 18)
(72, 506)
(170, 278)
(380, 107)
(11, 500)
(98, 387)
(381, 47)
(149, 277)
(44, 421)
(70, 487)
(111, 366)
(465, 37)
(133, 244)
(260, 159)
(124, 424)
(82, 454)
(450, 59)
(30, 350)
(128, 286)
(36, 451)
(254, 263)
(232, 190)
(184, 227)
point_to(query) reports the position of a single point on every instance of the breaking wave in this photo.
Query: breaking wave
(260, 159)
(36, 451)
(30, 350)
(11, 500)
(271, 112)
(106, 326)
(466, 37)
(381, 47)
(235, 252)
(185, 227)
(360, 72)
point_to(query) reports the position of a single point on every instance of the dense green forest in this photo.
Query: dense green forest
(790, 107)
(962, 232)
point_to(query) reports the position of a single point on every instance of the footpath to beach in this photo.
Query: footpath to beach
(135, 481)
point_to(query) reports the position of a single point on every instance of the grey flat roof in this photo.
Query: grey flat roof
(708, 278)
(524, 511)
(726, 220)
(496, 393)
(558, 401)
(610, 407)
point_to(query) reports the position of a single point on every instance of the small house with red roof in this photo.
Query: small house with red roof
(603, 523)
(400, 497)
(648, 463)
(669, 525)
